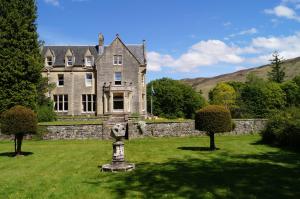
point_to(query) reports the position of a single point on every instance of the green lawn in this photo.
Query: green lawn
(165, 168)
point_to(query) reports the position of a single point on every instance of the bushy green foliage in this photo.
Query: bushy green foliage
(20, 59)
(223, 94)
(283, 129)
(45, 113)
(173, 99)
(18, 120)
(213, 118)
(292, 93)
(260, 97)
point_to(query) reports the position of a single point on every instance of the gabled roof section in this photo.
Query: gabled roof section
(78, 52)
(136, 50)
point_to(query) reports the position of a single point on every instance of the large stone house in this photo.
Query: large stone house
(97, 80)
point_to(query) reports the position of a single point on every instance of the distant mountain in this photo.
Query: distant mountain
(291, 68)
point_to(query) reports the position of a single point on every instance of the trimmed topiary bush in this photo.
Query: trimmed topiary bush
(18, 121)
(213, 119)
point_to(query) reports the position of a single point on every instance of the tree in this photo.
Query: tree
(260, 97)
(173, 99)
(292, 92)
(20, 59)
(277, 73)
(18, 121)
(213, 119)
(223, 94)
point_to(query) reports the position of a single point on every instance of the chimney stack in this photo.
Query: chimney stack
(100, 43)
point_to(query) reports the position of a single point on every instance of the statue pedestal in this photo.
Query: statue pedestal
(118, 158)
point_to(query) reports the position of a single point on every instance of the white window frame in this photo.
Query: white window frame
(88, 83)
(47, 61)
(115, 80)
(63, 80)
(117, 60)
(86, 102)
(63, 103)
(89, 63)
(70, 63)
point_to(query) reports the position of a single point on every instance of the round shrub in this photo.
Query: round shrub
(213, 118)
(18, 121)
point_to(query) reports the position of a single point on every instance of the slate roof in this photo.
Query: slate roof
(79, 52)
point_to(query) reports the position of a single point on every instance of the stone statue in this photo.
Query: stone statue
(118, 132)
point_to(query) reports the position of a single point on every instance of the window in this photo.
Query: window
(118, 60)
(88, 103)
(88, 79)
(69, 60)
(49, 61)
(60, 81)
(118, 102)
(60, 103)
(118, 78)
(89, 61)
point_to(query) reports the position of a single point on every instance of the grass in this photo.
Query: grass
(71, 122)
(165, 168)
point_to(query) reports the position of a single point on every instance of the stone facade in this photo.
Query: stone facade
(97, 80)
(243, 126)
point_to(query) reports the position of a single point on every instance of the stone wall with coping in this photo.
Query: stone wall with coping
(162, 129)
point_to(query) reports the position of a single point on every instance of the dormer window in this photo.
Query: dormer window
(49, 61)
(88, 60)
(69, 61)
(118, 60)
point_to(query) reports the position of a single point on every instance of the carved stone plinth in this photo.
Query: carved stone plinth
(118, 157)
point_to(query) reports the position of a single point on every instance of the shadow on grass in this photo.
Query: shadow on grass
(196, 148)
(13, 154)
(286, 148)
(269, 175)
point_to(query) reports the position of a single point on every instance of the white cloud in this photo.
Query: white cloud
(227, 23)
(245, 32)
(53, 2)
(237, 68)
(283, 11)
(203, 53)
(213, 52)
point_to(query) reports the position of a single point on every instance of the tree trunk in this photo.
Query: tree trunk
(212, 141)
(15, 144)
(19, 138)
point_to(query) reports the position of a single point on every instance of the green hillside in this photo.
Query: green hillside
(291, 66)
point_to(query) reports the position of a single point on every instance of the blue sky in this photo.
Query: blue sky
(185, 38)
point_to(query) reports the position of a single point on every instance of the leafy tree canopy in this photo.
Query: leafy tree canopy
(20, 59)
(173, 99)
(223, 94)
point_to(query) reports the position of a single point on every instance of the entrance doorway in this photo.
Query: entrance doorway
(118, 102)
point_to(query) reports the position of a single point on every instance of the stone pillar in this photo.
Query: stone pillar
(105, 103)
(118, 152)
(110, 105)
(125, 98)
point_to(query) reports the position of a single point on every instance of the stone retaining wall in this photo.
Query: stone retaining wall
(243, 126)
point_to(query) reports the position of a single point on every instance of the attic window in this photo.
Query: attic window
(69, 60)
(118, 60)
(88, 60)
(49, 61)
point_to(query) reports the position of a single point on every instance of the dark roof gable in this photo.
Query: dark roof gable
(79, 52)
